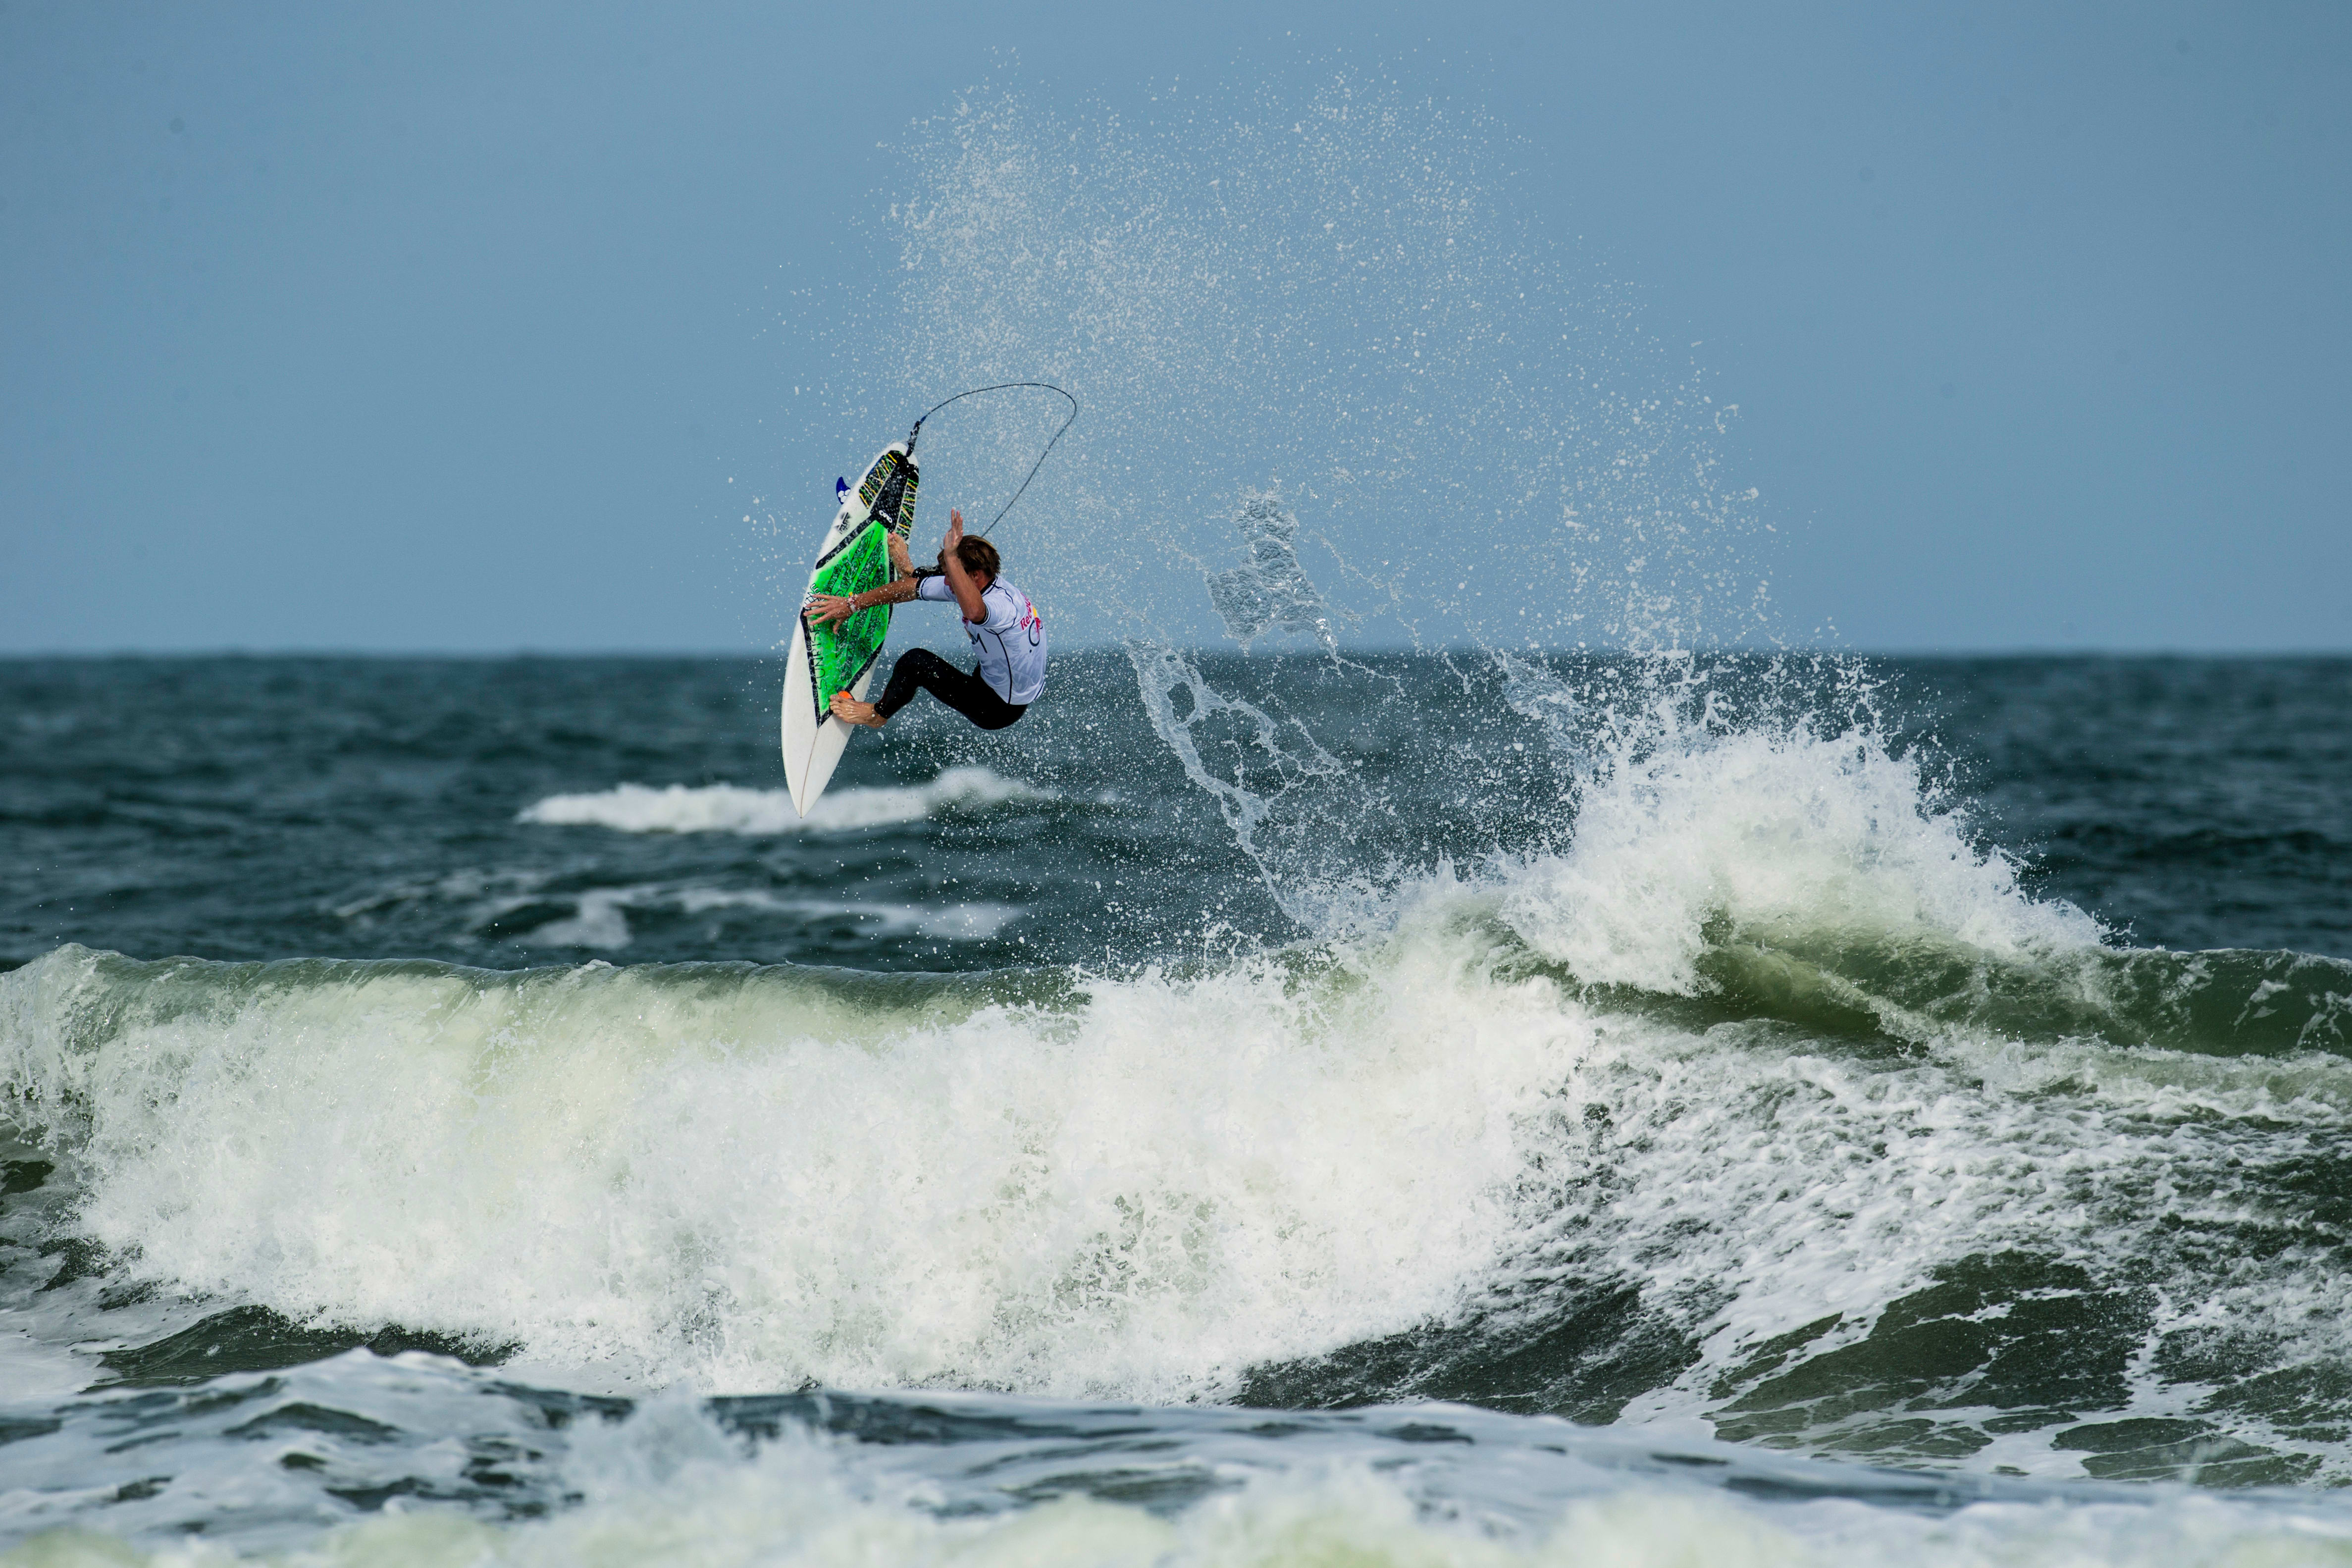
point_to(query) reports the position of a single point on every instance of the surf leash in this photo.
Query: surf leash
(1004, 386)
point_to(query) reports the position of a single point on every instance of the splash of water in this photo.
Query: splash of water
(1330, 289)
(1270, 591)
(1444, 431)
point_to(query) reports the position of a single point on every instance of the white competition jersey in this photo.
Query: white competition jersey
(1010, 643)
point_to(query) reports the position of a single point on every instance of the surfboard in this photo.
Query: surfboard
(854, 556)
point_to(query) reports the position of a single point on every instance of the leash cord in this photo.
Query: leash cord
(1004, 387)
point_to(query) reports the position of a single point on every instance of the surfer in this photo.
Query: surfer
(1007, 635)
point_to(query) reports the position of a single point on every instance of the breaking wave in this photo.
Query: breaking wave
(1766, 1097)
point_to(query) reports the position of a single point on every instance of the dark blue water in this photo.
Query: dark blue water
(1700, 1079)
(275, 808)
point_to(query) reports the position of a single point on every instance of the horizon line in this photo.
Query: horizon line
(2019, 650)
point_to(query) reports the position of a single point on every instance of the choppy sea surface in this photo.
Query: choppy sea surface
(1452, 1109)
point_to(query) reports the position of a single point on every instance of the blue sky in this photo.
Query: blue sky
(464, 328)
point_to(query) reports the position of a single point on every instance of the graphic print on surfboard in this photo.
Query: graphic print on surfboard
(854, 557)
(839, 655)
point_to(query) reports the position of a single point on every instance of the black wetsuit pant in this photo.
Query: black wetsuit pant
(920, 669)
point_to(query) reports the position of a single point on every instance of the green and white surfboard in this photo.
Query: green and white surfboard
(854, 556)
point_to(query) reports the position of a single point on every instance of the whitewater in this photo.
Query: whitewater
(1732, 1106)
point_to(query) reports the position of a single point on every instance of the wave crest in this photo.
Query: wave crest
(1769, 837)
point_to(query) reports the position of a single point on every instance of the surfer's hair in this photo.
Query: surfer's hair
(979, 556)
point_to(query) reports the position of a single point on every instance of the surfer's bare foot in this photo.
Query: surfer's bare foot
(850, 711)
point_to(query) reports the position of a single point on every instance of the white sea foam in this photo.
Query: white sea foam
(755, 1182)
(727, 808)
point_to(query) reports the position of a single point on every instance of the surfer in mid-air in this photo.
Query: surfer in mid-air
(1005, 631)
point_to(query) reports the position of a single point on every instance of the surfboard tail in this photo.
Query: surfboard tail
(824, 755)
(813, 742)
(801, 726)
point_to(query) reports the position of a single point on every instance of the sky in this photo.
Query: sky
(470, 329)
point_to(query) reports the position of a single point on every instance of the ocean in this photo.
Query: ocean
(1302, 1107)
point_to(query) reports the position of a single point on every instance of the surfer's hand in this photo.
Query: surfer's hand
(901, 563)
(826, 607)
(955, 528)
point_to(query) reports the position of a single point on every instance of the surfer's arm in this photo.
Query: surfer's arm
(832, 607)
(966, 592)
